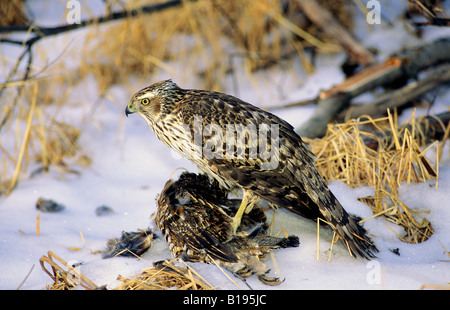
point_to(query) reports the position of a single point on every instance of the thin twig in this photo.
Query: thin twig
(26, 277)
(42, 32)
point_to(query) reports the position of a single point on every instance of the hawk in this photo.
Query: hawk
(195, 217)
(245, 147)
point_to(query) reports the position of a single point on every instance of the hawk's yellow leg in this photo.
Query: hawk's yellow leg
(247, 203)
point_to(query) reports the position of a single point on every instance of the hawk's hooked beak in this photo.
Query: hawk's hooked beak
(129, 109)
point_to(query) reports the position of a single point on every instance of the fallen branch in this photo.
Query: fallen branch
(328, 24)
(404, 65)
(399, 98)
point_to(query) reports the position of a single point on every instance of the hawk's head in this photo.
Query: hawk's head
(150, 101)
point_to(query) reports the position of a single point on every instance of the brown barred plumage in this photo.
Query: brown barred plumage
(195, 215)
(129, 244)
(287, 178)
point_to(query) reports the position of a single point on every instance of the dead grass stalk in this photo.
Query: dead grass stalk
(343, 155)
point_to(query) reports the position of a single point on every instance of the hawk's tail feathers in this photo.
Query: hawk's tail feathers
(355, 238)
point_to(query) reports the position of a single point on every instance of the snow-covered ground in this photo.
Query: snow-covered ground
(130, 166)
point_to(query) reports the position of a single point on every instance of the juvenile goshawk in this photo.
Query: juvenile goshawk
(243, 146)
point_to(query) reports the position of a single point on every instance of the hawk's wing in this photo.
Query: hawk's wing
(292, 183)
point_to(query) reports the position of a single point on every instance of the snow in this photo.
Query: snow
(130, 166)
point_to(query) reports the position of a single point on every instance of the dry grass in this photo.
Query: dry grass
(34, 137)
(12, 13)
(417, 227)
(344, 155)
(165, 275)
(206, 37)
(64, 276)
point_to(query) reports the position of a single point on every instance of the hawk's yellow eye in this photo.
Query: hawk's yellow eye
(145, 101)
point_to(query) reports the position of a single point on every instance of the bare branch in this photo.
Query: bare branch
(406, 64)
(328, 24)
(42, 32)
(402, 96)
